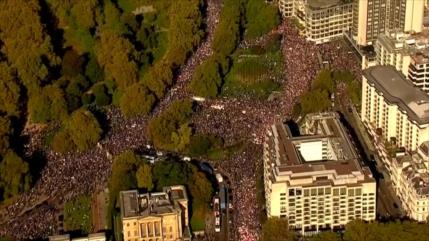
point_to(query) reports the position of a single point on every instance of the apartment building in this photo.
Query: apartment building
(315, 178)
(418, 71)
(323, 20)
(374, 17)
(410, 178)
(394, 108)
(408, 53)
(155, 216)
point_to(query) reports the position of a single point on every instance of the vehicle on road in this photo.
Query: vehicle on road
(217, 224)
(219, 178)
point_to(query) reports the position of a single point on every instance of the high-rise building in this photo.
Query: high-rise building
(155, 216)
(409, 54)
(394, 108)
(315, 178)
(323, 20)
(374, 17)
(410, 178)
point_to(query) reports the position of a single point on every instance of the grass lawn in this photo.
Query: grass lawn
(198, 218)
(255, 72)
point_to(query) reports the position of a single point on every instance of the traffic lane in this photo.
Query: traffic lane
(390, 204)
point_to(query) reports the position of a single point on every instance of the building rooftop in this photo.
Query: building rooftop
(396, 89)
(322, 146)
(134, 204)
(321, 4)
(414, 45)
(415, 168)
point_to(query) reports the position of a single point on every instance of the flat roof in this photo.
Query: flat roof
(324, 126)
(320, 4)
(396, 89)
(135, 204)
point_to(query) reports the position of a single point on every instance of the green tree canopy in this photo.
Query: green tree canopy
(169, 130)
(261, 17)
(84, 129)
(144, 177)
(14, 175)
(276, 229)
(10, 91)
(184, 30)
(47, 104)
(123, 175)
(324, 81)
(136, 100)
(315, 101)
(21, 31)
(77, 214)
(5, 132)
(325, 236)
(117, 55)
(206, 80)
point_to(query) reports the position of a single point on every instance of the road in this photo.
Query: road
(388, 204)
(223, 235)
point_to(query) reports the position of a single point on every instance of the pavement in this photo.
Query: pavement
(224, 234)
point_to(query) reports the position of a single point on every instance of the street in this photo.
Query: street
(388, 204)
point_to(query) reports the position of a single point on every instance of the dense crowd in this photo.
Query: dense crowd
(202, 53)
(234, 119)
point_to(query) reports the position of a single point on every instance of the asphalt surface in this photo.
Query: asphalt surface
(388, 204)
(223, 235)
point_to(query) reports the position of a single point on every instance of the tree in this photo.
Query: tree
(200, 187)
(117, 55)
(201, 145)
(315, 101)
(14, 175)
(21, 31)
(172, 120)
(358, 230)
(181, 138)
(72, 63)
(10, 91)
(62, 142)
(184, 30)
(325, 236)
(47, 104)
(206, 80)
(276, 229)
(136, 100)
(354, 92)
(144, 177)
(261, 17)
(77, 214)
(93, 70)
(5, 131)
(324, 81)
(159, 77)
(123, 175)
(83, 129)
(102, 98)
(112, 19)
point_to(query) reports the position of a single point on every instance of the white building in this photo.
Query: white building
(408, 53)
(315, 180)
(323, 20)
(410, 178)
(394, 108)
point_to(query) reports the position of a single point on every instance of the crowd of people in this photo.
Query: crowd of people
(202, 53)
(234, 119)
